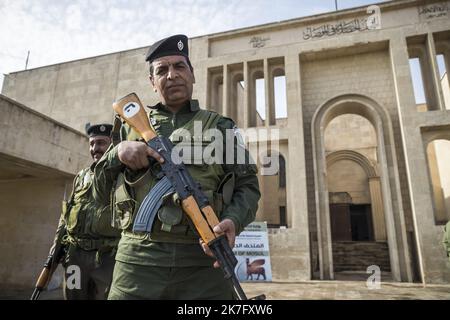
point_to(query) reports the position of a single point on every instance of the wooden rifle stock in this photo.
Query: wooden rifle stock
(57, 253)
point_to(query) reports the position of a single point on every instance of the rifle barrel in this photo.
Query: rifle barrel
(36, 293)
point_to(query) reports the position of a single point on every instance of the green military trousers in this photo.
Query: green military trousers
(139, 282)
(95, 274)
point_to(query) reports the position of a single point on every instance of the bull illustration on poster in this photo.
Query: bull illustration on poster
(252, 251)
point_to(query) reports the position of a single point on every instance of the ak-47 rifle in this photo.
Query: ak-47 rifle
(57, 253)
(54, 258)
(193, 201)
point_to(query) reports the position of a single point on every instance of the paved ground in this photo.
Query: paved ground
(310, 290)
(346, 290)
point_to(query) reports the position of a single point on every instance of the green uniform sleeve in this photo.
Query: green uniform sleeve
(446, 239)
(244, 203)
(109, 166)
(62, 222)
(105, 173)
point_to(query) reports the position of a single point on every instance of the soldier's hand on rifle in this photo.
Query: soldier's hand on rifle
(134, 154)
(226, 227)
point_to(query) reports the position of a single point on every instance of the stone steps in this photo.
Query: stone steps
(357, 256)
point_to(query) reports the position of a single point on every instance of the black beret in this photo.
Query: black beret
(176, 45)
(103, 129)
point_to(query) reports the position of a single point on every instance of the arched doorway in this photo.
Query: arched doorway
(358, 229)
(389, 181)
(437, 148)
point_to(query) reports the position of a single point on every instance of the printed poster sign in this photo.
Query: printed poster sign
(252, 252)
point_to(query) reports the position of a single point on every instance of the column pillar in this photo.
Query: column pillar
(434, 69)
(267, 92)
(379, 225)
(246, 95)
(226, 89)
(296, 188)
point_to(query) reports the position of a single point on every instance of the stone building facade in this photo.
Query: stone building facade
(361, 178)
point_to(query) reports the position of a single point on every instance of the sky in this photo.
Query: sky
(64, 30)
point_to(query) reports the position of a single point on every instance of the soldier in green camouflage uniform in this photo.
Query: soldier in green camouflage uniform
(446, 240)
(90, 239)
(170, 262)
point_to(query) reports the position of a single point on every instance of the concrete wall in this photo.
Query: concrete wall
(351, 132)
(285, 255)
(34, 137)
(38, 160)
(348, 176)
(30, 210)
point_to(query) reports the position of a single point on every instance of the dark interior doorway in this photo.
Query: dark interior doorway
(361, 222)
(350, 222)
(283, 219)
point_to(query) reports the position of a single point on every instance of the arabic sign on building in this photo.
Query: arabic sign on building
(252, 252)
(371, 22)
(258, 42)
(333, 29)
(436, 10)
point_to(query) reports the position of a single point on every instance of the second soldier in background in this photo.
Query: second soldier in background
(89, 238)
